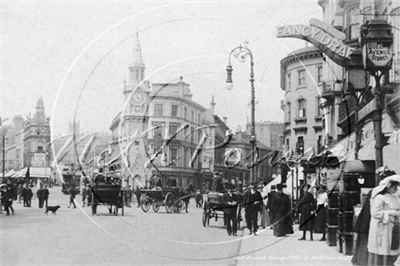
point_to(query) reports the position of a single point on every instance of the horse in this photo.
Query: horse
(185, 195)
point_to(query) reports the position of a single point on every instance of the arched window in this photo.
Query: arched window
(301, 108)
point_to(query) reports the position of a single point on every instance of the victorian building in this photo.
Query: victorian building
(302, 82)
(36, 136)
(161, 132)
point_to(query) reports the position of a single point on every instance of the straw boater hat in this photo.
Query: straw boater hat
(385, 183)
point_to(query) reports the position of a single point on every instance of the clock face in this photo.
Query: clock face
(138, 97)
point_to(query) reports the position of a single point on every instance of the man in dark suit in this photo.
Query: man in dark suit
(217, 185)
(45, 195)
(39, 194)
(230, 211)
(27, 195)
(252, 203)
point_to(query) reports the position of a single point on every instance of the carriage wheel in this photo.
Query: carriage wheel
(169, 202)
(145, 204)
(178, 206)
(156, 206)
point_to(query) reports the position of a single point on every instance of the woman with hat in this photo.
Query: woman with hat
(361, 227)
(320, 212)
(306, 206)
(384, 229)
(281, 213)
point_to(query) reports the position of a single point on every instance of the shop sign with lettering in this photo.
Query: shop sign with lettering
(323, 36)
(377, 55)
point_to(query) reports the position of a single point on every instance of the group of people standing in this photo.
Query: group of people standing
(378, 226)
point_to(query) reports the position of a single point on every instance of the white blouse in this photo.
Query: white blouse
(322, 199)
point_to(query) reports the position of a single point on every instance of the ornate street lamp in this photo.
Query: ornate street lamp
(377, 50)
(242, 53)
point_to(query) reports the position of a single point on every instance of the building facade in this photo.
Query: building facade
(161, 131)
(302, 81)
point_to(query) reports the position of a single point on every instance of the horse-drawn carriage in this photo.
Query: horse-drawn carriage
(109, 193)
(213, 207)
(173, 198)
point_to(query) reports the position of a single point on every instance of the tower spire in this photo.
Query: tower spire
(137, 58)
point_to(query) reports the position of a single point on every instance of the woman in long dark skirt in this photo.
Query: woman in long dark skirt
(320, 212)
(306, 208)
(360, 252)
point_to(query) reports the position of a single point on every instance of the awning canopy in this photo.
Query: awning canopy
(10, 173)
(35, 172)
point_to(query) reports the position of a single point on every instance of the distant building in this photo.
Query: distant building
(268, 133)
(36, 136)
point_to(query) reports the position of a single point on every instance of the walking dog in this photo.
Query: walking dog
(53, 209)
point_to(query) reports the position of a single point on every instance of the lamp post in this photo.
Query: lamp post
(242, 53)
(3, 133)
(377, 50)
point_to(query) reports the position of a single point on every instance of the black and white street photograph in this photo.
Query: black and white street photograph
(215, 132)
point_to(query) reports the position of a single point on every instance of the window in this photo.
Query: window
(198, 119)
(174, 110)
(302, 108)
(185, 113)
(289, 114)
(319, 74)
(317, 106)
(193, 117)
(191, 134)
(300, 146)
(289, 82)
(302, 78)
(40, 146)
(174, 156)
(287, 144)
(158, 131)
(158, 109)
(352, 27)
(186, 133)
(172, 129)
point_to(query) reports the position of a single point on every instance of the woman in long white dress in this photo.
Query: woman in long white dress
(383, 243)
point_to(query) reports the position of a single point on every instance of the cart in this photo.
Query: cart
(168, 197)
(213, 208)
(110, 193)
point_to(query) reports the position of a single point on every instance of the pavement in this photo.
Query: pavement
(266, 249)
(146, 235)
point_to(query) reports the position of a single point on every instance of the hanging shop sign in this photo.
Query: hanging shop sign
(378, 55)
(325, 37)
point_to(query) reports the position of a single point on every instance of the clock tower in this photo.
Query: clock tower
(128, 126)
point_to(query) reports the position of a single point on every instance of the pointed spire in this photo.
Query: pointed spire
(212, 103)
(137, 59)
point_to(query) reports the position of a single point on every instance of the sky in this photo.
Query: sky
(75, 55)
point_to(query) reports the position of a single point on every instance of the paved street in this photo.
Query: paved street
(74, 237)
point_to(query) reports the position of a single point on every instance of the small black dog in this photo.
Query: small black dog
(53, 209)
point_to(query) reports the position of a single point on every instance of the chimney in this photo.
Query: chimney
(225, 119)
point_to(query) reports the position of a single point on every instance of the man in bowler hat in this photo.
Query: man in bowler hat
(230, 211)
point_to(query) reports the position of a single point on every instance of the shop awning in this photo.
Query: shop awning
(10, 173)
(35, 172)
